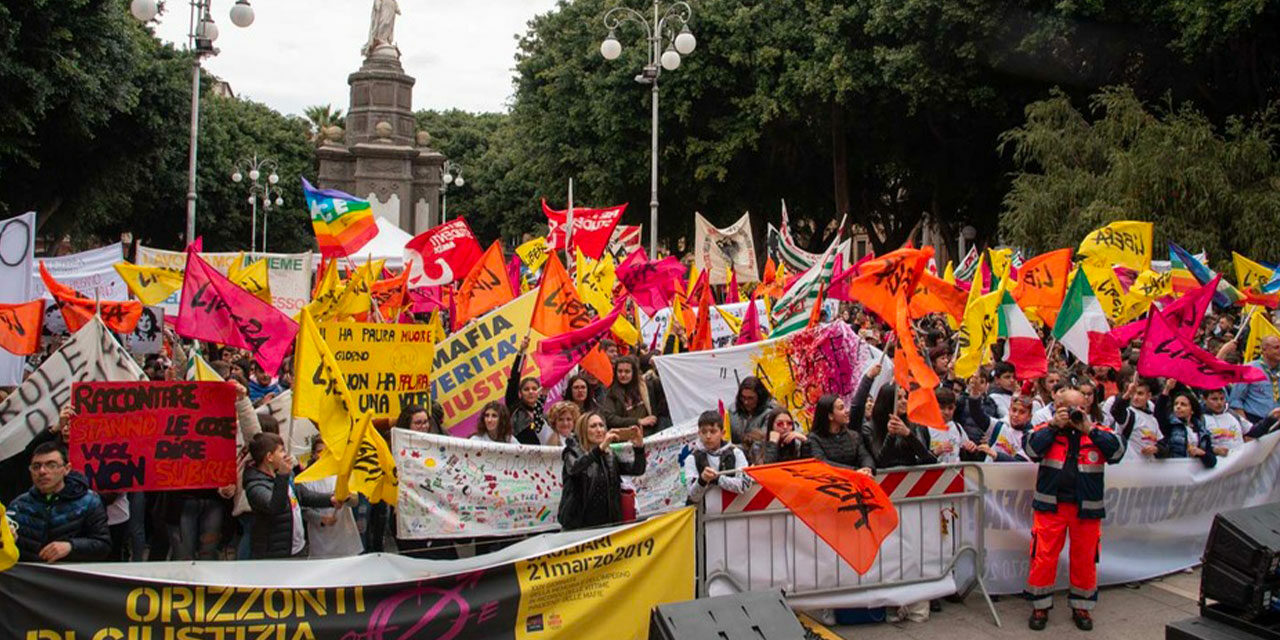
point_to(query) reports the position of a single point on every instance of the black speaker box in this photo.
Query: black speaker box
(755, 615)
(1247, 540)
(1220, 582)
(1204, 629)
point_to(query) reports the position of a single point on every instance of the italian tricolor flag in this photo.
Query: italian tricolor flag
(1023, 348)
(1082, 326)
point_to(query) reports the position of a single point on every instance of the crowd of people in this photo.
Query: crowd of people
(1112, 415)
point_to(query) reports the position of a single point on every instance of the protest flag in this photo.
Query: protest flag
(441, 255)
(791, 312)
(701, 338)
(1042, 283)
(343, 223)
(1082, 326)
(1166, 353)
(733, 322)
(391, 296)
(1259, 328)
(1124, 242)
(20, 326)
(558, 355)
(151, 285)
(750, 330)
(979, 330)
(484, 289)
(216, 310)
(1184, 314)
(732, 296)
(592, 228)
(1023, 348)
(77, 310)
(847, 509)
(558, 309)
(649, 282)
(251, 278)
(8, 546)
(935, 295)
(1189, 273)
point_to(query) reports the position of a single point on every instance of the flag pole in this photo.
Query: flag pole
(568, 229)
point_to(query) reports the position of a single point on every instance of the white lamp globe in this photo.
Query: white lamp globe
(208, 29)
(279, 201)
(459, 181)
(242, 14)
(254, 175)
(144, 10)
(273, 178)
(611, 48)
(670, 60)
(685, 42)
(237, 177)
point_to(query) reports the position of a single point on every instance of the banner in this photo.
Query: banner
(289, 274)
(626, 240)
(652, 328)
(17, 266)
(796, 370)
(388, 366)
(472, 366)
(568, 586)
(148, 336)
(715, 251)
(89, 272)
(452, 488)
(154, 436)
(90, 354)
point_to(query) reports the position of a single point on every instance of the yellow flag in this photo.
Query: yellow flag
(735, 325)
(354, 299)
(694, 274)
(435, 328)
(582, 265)
(534, 253)
(365, 467)
(1126, 243)
(1146, 289)
(595, 287)
(151, 285)
(1249, 274)
(251, 278)
(200, 370)
(978, 331)
(8, 546)
(1001, 262)
(949, 274)
(320, 390)
(1106, 286)
(326, 293)
(1259, 328)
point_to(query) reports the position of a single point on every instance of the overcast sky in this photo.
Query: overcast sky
(298, 53)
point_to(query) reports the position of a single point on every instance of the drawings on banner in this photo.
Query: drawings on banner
(715, 251)
(148, 336)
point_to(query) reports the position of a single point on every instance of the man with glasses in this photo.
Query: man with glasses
(1253, 401)
(60, 519)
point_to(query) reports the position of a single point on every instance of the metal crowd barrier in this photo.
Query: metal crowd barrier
(751, 541)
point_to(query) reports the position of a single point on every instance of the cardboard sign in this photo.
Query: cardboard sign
(154, 436)
(387, 366)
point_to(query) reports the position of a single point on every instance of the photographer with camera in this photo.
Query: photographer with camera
(1072, 452)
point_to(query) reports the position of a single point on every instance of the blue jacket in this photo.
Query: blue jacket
(1050, 447)
(74, 515)
(1174, 443)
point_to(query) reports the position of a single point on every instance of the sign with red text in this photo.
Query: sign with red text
(154, 436)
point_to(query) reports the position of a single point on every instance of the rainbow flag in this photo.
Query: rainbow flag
(1190, 274)
(343, 223)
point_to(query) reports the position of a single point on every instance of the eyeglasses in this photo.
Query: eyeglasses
(51, 466)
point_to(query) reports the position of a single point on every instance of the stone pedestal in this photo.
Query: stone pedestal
(381, 157)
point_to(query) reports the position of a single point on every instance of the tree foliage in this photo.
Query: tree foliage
(1204, 187)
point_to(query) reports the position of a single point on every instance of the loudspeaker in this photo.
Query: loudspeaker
(1204, 629)
(755, 615)
(1242, 560)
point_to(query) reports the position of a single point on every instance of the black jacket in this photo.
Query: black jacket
(797, 450)
(74, 515)
(846, 448)
(272, 515)
(526, 423)
(904, 451)
(592, 493)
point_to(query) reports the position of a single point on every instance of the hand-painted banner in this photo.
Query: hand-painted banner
(559, 587)
(796, 370)
(453, 488)
(472, 366)
(90, 272)
(441, 255)
(18, 244)
(90, 354)
(216, 310)
(388, 366)
(716, 251)
(289, 274)
(154, 436)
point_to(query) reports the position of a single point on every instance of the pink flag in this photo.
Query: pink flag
(428, 299)
(1167, 353)
(1185, 314)
(650, 283)
(750, 330)
(513, 275)
(215, 309)
(558, 355)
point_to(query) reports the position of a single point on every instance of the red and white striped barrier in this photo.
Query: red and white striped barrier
(897, 484)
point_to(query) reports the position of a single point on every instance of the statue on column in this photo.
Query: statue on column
(382, 26)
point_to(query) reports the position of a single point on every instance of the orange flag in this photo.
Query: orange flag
(1042, 283)
(559, 308)
(815, 316)
(485, 288)
(935, 295)
(20, 327)
(598, 363)
(120, 317)
(847, 509)
(701, 339)
(391, 295)
(882, 283)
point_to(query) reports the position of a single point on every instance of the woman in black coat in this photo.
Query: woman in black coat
(894, 441)
(784, 442)
(831, 439)
(592, 475)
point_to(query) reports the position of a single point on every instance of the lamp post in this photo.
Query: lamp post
(201, 33)
(261, 187)
(450, 174)
(672, 27)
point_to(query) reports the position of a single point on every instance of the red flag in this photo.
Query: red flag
(592, 228)
(121, 317)
(815, 316)
(559, 308)
(442, 255)
(513, 275)
(650, 282)
(733, 296)
(20, 327)
(558, 355)
(1168, 353)
(750, 331)
(847, 509)
(485, 288)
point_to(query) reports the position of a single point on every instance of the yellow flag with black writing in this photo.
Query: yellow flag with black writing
(595, 287)
(251, 277)
(734, 323)
(1125, 242)
(355, 299)
(1146, 289)
(1259, 328)
(151, 285)
(978, 332)
(534, 253)
(365, 466)
(8, 546)
(320, 391)
(1106, 287)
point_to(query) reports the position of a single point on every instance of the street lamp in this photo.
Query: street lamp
(202, 31)
(672, 27)
(267, 191)
(450, 174)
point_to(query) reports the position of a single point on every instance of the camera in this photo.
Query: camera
(1076, 416)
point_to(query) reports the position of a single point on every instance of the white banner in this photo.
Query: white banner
(17, 246)
(653, 328)
(450, 487)
(89, 272)
(91, 354)
(716, 250)
(297, 432)
(288, 274)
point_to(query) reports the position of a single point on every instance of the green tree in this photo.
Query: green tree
(321, 117)
(466, 139)
(1203, 186)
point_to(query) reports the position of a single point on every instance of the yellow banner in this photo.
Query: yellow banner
(1259, 328)
(387, 366)
(978, 331)
(610, 583)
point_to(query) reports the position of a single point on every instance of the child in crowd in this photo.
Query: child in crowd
(711, 458)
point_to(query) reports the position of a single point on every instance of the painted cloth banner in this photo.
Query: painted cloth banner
(17, 265)
(388, 366)
(90, 272)
(796, 370)
(90, 354)
(154, 436)
(1158, 513)
(653, 328)
(452, 488)
(289, 274)
(472, 366)
(715, 251)
(562, 586)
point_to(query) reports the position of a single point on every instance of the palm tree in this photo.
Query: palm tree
(323, 117)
